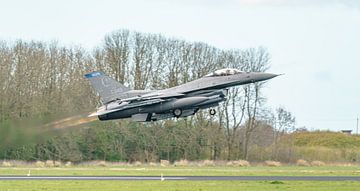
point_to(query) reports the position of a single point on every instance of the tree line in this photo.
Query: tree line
(43, 81)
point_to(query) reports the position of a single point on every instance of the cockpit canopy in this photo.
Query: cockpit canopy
(224, 72)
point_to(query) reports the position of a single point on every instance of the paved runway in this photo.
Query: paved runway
(194, 178)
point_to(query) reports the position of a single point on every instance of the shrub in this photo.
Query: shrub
(68, 164)
(49, 163)
(317, 163)
(302, 162)
(101, 163)
(19, 163)
(272, 163)
(118, 163)
(152, 164)
(229, 163)
(39, 164)
(57, 163)
(238, 163)
(208, 163)
(6, 164)
(181, 163)
(137, 163)
(164, 162)
(241, 163)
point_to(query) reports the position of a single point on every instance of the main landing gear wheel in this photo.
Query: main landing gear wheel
(177, 112)
(212, 111)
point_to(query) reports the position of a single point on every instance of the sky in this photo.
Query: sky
(315, 43)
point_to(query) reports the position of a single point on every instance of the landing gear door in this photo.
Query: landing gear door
(141, 117)
(225, 92)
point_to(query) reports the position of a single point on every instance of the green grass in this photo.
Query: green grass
(326, 139)
(20, 185)
(177, 185)
(188, 171)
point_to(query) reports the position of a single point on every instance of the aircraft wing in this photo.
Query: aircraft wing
(124, 105)
(136, 101)
(155, 95)
(168, 95)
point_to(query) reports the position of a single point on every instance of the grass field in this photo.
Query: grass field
(187, 171)
(177, 185)
(12, 185)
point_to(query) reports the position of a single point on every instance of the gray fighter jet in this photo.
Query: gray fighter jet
(184, 100)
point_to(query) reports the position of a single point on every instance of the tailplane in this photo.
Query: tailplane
(107, 88)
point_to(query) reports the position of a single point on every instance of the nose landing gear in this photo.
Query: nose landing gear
(177, 112)
(212, 111)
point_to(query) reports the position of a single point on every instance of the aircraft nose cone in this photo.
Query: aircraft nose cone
(267, 76)
(264, 76)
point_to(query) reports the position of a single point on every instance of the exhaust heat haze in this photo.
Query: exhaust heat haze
(71, 121)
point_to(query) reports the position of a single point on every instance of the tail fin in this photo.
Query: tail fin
(107, 88)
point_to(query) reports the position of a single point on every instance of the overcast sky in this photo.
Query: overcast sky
(316, 43)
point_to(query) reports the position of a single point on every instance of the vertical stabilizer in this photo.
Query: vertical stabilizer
(107, 88)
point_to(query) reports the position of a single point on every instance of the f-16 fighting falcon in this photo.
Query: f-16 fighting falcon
(184, 100)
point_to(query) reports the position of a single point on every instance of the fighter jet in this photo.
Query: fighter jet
(184, 100)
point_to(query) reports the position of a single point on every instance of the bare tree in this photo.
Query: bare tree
(143, 60)
(256, 60)
(283, 122)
